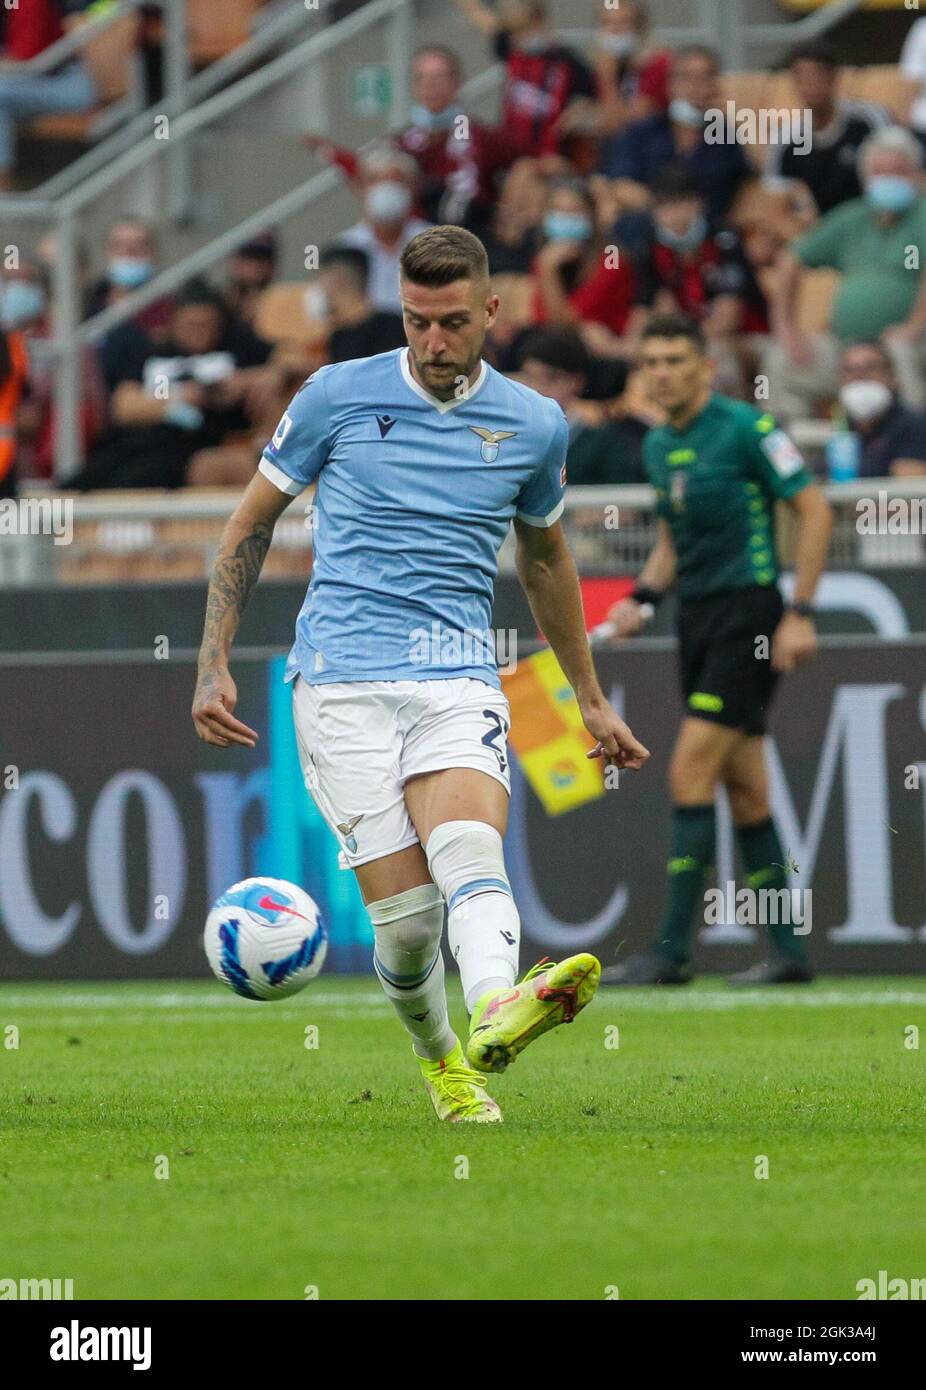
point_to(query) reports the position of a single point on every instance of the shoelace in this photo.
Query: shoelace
(544, 964)
(455, 1081)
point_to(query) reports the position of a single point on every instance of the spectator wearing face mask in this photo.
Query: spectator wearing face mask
(387, 187)
(339, 296)
(632, 75)
(131, 261)
(881, 294)
(26, 317)
(678, 137)
(686, 266)
(580, 283)
(891, 440)
(542, 76)
(175, 404)
(459, 159)
(514, 234)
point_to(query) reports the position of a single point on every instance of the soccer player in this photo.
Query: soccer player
(422, 458)
(718, 467)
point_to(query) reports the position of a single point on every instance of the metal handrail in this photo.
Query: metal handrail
(191, 504)
(200, 85)
(77, 38)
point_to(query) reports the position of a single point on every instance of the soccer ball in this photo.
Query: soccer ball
(265, 938)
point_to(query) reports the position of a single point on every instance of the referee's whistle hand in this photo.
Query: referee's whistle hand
(626, 618)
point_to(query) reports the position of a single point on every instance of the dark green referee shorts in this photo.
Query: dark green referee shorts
(726, 671)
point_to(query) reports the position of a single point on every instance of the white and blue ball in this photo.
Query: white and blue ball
(265, 938)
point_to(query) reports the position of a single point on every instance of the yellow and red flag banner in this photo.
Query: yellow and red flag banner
(548, 736)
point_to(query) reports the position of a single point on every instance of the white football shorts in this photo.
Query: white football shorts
(360, 742)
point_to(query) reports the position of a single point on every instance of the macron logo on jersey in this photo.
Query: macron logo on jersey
(385, 423)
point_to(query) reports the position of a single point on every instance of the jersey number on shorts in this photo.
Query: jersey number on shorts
(499, 731)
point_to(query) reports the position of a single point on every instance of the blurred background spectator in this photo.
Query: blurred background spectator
(388, 179)
(881, 290)
(339, 296)
(578, 281)
(632, 75)
(542, 76)
(26, 30)
(250, 270)
(459, 158)
(828, 167)
(677, 137)
(605, 446)
(25, 311)
(891, 440)
(14, 368)
(181, 397)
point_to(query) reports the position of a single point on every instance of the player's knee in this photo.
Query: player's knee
(466, 860)
(748, 804)
(406, 933)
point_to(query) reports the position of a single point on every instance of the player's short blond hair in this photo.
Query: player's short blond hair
(444, 254)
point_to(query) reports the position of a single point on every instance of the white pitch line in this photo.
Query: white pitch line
(351, 1002)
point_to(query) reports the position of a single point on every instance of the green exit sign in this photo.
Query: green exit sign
(371, 89)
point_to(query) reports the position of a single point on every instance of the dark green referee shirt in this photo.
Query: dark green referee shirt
(716, 485)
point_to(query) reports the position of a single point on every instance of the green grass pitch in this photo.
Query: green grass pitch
(629, 1167)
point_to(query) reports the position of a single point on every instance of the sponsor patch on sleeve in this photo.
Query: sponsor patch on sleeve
(782, 453)
(282, 430)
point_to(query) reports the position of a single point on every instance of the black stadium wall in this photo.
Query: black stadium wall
(118, 827)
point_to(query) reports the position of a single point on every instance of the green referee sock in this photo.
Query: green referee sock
(693, 836)
(764, 860)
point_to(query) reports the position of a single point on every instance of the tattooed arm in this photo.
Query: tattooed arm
(245, 541)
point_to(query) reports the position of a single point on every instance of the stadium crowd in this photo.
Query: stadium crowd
(615, 186)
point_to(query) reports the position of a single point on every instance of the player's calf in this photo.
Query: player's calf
(467, 863)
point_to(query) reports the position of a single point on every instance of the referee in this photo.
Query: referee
(718, 467)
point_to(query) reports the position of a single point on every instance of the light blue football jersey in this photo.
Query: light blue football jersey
(414, 499)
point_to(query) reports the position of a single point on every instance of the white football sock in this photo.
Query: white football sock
(483, 927)
(407, 959)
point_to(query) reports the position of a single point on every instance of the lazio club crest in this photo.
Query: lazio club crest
(491, 441)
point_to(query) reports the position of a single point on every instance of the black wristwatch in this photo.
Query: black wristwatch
(642, 593)
(803, 610)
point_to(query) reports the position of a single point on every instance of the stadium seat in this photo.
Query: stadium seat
(109, 58)
(281, 317)
(882, 84)
(217, 28)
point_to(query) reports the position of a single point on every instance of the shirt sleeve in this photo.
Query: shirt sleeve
(540, 501)
(302, 440)
(823, 244)
(776, 459)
